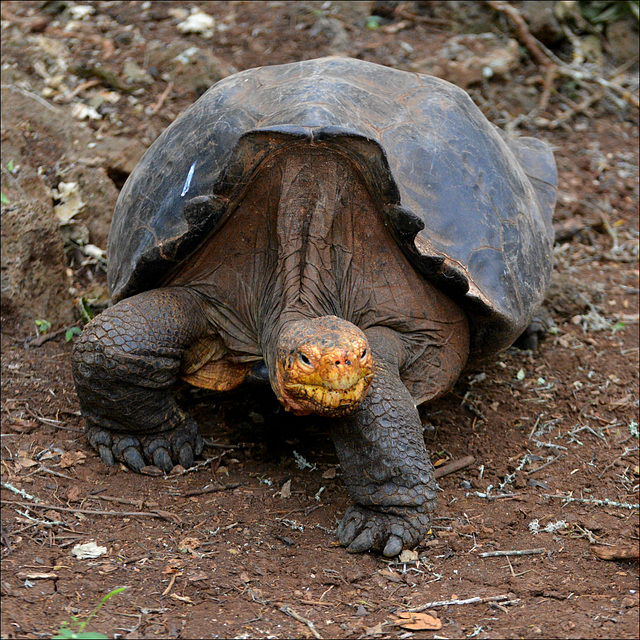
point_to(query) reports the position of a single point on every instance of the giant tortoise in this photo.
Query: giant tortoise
(357, 233)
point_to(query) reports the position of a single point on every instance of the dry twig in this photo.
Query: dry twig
(212, 489)
(620, 552)
(454, 466)
(446, 603)
(163, 515)
(611, 87)
(516, 552)
(604, 503)
(163, 96)
(522, 30)
(290, 612)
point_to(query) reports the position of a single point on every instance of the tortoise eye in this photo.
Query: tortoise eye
(364, 354)
(304, 359)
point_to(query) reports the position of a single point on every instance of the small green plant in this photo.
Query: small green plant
(42, 326)
(70, 332)
(607, 11)
(11, 166)
(75, 629)
(373, 22)
(4, 198)
(618, 326)
(86, 313)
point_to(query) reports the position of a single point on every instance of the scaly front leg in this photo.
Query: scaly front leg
(125, 365)
(384, 459)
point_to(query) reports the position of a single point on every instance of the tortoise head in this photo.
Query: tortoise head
(323, 365)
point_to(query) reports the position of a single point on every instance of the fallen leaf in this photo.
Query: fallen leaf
(285, 492)
(21, 426)
(196, 577)
(71, 458)
(373, 631)
(408, 555)
(187, 545)
(417, 621)
(172, 567)
(52, 514)
(390, 575)
(108, 567)
(25, 463)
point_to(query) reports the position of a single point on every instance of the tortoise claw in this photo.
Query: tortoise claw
(162, 459)
(346, 532)
(133, 459)
(387, 531)
(185, 456)
(163, 450)
(363, 542)
(106, 455)
(393, 547)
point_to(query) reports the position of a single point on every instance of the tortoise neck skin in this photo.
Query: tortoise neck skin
(316, 364)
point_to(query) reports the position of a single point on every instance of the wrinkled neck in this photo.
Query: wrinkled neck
(314, 233)
(310, 222)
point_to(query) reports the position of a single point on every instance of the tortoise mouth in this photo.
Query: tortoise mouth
(304, 398)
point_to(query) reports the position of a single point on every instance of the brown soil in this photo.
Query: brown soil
(244, 545)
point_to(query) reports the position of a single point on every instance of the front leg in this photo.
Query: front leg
(384, 459)
(125, 365)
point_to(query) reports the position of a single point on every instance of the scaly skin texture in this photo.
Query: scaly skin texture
(125, 365)
(383, 456)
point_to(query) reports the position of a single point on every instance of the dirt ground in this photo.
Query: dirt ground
(244, 545)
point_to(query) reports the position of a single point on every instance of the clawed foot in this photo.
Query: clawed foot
(163, 450)
(388, 531)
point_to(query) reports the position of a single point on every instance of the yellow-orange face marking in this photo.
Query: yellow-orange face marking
(327, 370)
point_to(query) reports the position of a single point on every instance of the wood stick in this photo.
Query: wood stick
(213, 489)
(163, 515)
(454, 466)
(620, 552)
(163, 96)
(522, 31)
(290, 612)
(518, 552)
(446, 603)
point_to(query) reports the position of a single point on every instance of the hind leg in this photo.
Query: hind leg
(125, 365)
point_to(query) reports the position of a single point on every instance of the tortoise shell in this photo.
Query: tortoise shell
(470, 207)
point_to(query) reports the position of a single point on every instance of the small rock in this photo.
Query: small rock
(88, 550)
(151, 470)
(198, 22)
(136, 74)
